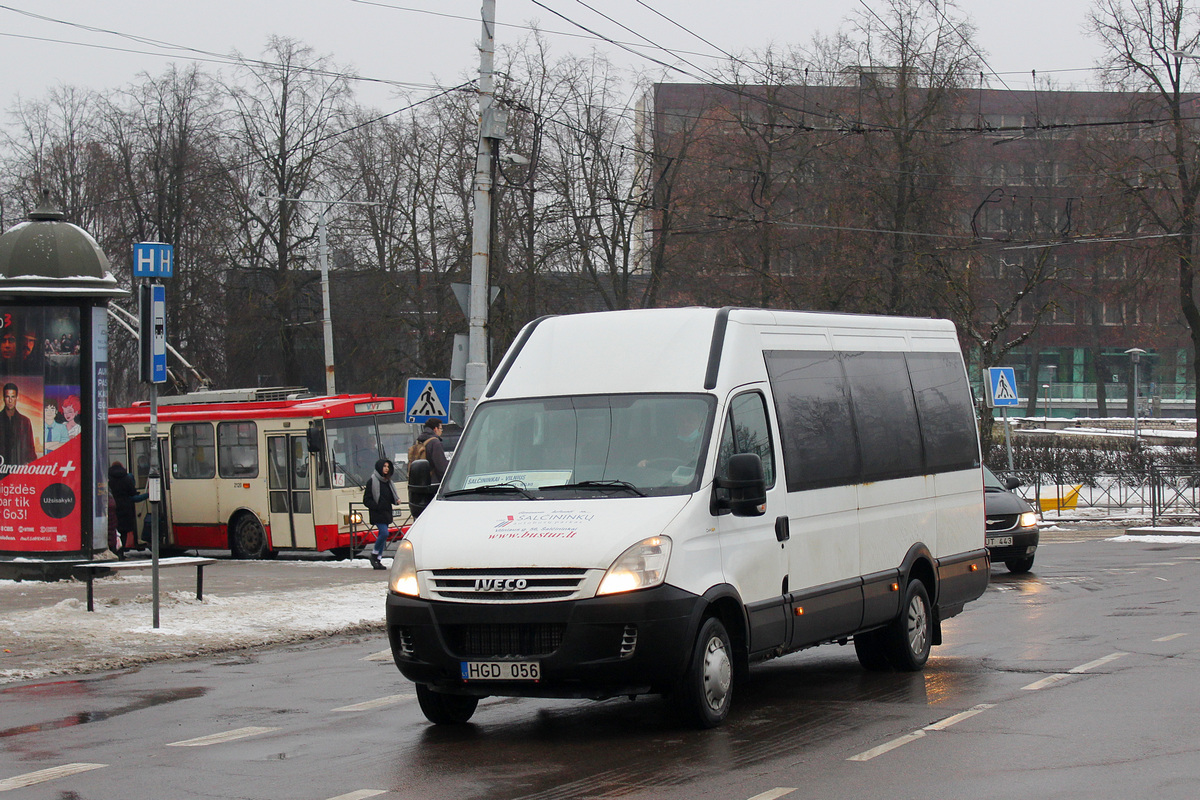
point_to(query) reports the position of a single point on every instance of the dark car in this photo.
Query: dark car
(1012, 524)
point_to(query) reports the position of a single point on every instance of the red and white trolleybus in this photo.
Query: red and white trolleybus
(261, 470)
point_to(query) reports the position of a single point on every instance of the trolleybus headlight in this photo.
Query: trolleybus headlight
(640, 567)
(403, 577)
(354, 518)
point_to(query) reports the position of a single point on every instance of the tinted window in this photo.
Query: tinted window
(885, 415)
(946, 412)
(193, 450)
(812, 403)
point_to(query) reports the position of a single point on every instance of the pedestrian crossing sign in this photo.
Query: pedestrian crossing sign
(427, 398)
(1002, 383)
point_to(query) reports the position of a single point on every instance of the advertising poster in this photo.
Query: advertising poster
(41, 426)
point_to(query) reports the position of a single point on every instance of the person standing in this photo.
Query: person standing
(379, 496)
(16, 431)
(123, 490)
(435, 454)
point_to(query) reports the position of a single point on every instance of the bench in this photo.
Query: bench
(94, 567)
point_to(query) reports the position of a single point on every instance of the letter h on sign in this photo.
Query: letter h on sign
(153, 260)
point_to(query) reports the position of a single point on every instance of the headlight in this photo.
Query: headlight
(1028, 520)
(403, 577)
(354, 518)
(640, 567)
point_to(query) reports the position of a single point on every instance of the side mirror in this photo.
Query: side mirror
(421, 487)
(1012, 482)
(746, 484)
(316, 438)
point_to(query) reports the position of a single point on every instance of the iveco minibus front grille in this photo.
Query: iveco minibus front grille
(529, 585)
(504, 641)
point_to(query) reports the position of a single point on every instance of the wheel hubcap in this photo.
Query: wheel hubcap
(918, 626)
(718, 674)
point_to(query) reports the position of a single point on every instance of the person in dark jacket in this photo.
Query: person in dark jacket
(435, 454)
(124, 492)
(379, 496)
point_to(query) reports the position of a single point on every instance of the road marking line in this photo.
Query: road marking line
(1044, 682)
(1164, 580)
(382, 655)
(886, 747)
(361, 794)
(959, 717)
(773, 794)
(1099, 662)
(43, 775)
(1169, 638)
(377, 703)
(218, 738)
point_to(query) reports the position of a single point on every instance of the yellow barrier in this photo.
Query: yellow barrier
(1068, 500)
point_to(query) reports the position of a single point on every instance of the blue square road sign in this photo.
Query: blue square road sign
(427, 398)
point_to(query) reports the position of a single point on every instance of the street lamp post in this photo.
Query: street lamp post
(1135, 354)
(323, 258)
(1046, 394)
(1052, 369)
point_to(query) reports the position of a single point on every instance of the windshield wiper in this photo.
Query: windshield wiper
(608, 484)
(492, 488)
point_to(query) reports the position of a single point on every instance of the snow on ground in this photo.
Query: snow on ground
(65, 638)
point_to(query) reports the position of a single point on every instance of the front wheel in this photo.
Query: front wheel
(909, 637)
(441, 708)
(248, 539)
(706, 691)
(1019, 565)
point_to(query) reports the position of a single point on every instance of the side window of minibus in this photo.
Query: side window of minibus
(747, 430)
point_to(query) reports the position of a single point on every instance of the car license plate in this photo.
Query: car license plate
(501, 670)
(999, 541)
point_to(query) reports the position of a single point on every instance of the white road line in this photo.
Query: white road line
(43, 775)
(1164, 580)
(1171, 637)
(886, 747)
(1044, 682)
(959, 717)
(900, 741)
(361, 794)
(1099, 662)
(218, 738)
(377, 703)
(773, 794)
(382, 655)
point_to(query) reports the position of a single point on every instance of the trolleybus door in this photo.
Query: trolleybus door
(290, 488)
(139, 467)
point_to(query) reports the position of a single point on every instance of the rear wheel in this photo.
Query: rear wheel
(441, 708)
(706, 691)
(1019, 564)
(908, 638)
(248, 539)
(871, 652)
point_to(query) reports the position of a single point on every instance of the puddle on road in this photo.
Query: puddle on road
(83, 717)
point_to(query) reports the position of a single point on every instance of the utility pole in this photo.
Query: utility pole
(491, 129)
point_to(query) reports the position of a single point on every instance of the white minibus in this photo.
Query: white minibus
(650, 501)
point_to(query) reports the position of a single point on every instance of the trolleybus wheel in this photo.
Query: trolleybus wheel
(248, 539)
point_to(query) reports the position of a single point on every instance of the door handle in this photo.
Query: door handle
(782, 530)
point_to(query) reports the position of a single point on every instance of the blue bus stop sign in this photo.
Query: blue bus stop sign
(153, 260)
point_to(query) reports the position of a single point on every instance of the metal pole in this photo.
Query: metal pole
(477, 367)
(326, 323)
(1007, 441)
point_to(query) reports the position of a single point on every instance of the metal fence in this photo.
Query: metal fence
(1164, 493)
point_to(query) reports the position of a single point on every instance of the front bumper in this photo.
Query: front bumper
(1024, 544)
(631, 643)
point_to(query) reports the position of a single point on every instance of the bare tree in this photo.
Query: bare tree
(288, 109)
(1144, 40)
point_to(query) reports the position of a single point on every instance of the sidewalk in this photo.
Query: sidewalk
(46, 630)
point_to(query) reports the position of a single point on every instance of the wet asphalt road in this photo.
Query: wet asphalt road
(1074, 681)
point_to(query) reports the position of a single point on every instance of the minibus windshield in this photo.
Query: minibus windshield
(593, 446)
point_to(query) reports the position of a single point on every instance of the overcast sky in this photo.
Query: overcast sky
(423, 42)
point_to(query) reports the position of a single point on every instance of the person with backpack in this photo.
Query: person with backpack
(379, 495)
(429, 447)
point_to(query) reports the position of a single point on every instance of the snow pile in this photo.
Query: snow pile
(67, 638)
